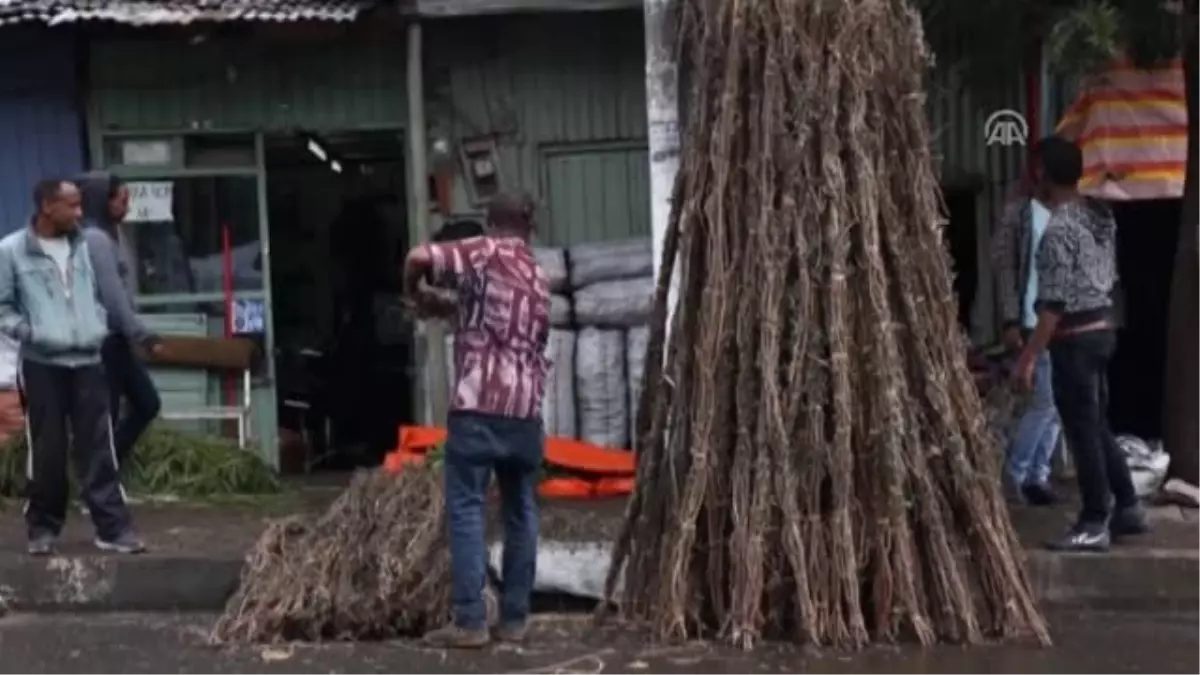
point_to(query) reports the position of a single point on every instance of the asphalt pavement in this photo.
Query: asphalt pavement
(1085, 642)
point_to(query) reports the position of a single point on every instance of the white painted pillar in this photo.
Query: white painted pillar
(662, 116)
(430, 335)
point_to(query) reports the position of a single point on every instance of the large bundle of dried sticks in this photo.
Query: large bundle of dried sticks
(815, 463)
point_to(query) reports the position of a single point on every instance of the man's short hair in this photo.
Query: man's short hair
(457, 230)
(511, 211)
(46, 190)
(1061, 160)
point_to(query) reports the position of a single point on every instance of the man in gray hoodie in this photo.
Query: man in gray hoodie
(105, 204)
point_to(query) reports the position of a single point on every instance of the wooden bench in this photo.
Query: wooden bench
(229, 355)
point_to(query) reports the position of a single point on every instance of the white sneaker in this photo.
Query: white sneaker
(127, 543)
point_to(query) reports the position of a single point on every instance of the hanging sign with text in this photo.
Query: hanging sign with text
(151, 202)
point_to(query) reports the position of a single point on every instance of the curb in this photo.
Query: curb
(1134, 580)
(1130, 580)
(106, 583)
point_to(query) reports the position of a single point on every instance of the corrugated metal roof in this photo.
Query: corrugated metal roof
(446, 8)
(168, 12)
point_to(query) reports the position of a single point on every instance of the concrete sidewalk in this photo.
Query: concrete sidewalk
(197, 557)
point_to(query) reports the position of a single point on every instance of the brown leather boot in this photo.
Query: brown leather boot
(455, 637)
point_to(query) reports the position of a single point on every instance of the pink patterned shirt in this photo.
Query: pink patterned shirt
(500, 364)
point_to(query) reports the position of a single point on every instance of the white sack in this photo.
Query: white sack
(8, 362)
(1148, 463)
(636, 341)
(558, 404)
(560, 311)
(600, 387)
(578, 569)
(558, 401)
(623, 303)
(553, 262)
(609, 261)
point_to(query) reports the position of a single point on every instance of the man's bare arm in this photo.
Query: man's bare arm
(1047, 323)
(428, 302)
(417, 265)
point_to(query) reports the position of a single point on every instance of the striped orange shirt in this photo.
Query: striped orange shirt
(1131, 125)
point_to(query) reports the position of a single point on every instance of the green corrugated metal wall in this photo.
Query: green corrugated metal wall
(595, 194)
(169, 84)
(565, 97)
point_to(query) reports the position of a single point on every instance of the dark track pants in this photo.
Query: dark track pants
(128, 380)
(55, 396)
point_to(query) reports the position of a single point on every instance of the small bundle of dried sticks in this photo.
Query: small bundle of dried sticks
(375, 565)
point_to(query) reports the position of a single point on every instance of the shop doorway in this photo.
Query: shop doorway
(344, 352)
(962, 240)
(1147, 236)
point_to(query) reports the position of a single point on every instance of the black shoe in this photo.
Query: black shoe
(1129, 521)
(42, 545)
(1039, 494)
(1088, 537)
(1012, 493)
(126, 543)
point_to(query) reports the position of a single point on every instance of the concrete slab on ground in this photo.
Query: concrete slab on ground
(198, 551)
(1085, 642)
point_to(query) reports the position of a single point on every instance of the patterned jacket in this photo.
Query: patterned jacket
(1077, 263)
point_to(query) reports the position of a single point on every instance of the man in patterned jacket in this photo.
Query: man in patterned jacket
(501, 318)
(1014, 247)
(1076, 320)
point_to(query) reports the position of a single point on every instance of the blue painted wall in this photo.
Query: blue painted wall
(40, 129)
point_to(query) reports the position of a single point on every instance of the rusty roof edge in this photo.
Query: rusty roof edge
(140, 13)
(463, 8)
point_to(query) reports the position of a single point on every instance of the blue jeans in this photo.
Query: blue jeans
(1032, 446)
(477, 445)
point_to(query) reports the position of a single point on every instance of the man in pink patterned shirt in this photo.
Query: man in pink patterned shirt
(501, 316)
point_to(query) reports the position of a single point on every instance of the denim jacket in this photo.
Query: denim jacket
(52, 326)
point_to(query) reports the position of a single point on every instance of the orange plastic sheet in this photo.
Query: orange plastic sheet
(606, 473)
(566, 453)
(579, 488)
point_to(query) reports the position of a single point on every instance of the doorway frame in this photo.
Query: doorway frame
(403, 193)
(264, 395)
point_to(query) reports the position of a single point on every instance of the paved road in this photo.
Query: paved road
(144, 643)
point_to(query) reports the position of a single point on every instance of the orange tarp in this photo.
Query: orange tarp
(609, 473)
(1131, 125)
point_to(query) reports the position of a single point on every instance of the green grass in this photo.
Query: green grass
(168, 462)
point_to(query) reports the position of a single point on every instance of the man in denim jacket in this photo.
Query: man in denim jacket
(1014, 252)
(50, 305)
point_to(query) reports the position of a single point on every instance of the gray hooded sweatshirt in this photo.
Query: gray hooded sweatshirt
(109, 262)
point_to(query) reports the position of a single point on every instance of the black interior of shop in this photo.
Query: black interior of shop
(962, 239)
(1147, 237)
(344, 357)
